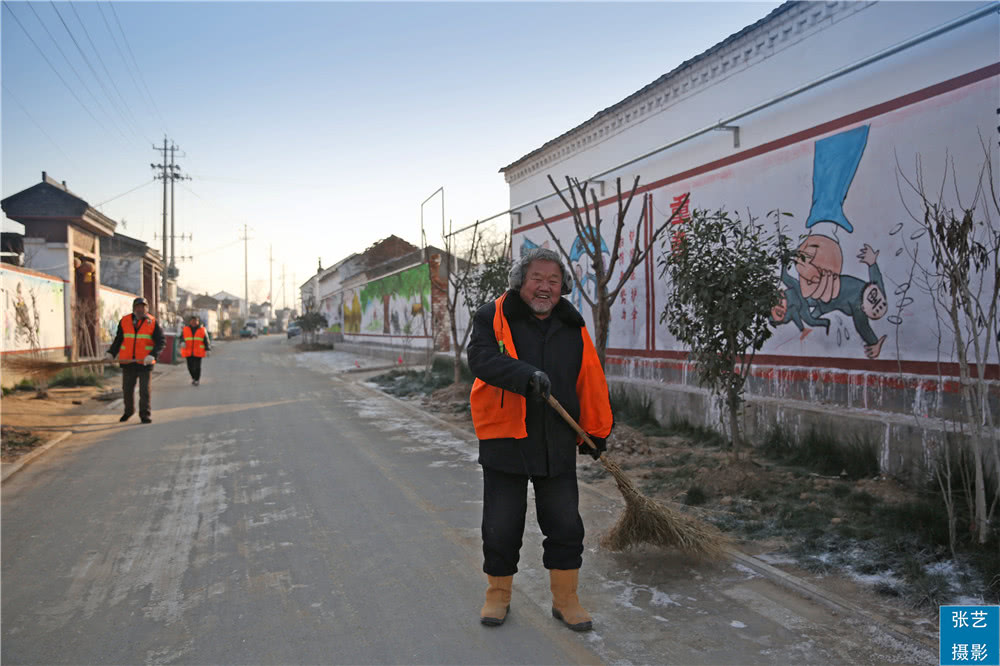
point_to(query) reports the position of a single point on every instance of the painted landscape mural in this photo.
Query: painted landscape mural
(398, 305)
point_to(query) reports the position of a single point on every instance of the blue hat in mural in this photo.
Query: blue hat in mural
(834, 165)
(581, 246)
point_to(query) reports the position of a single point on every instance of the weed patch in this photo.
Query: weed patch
(15, 442)
(407, 383)
(71, 379)
(23, 385)
(823, 453)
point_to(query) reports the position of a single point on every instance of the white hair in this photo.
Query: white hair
(519, 269)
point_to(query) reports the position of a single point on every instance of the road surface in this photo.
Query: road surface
(285, 513)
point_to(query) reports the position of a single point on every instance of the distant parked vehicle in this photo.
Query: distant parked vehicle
(249, 330)
(293, 330)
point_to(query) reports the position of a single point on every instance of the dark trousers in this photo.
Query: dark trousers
(130, 373)
(194, 367)
(505, 503)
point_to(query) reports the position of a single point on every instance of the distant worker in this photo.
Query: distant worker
(137, 343)
(527, 344)
(195, 345)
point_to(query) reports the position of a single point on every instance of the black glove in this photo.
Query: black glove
(539, 386)
(602, 446)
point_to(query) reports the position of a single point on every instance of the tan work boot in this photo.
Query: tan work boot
(565, 604)
(497, 600)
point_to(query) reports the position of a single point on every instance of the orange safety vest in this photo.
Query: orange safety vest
(496, 418)
(137, 344)
(193, 342)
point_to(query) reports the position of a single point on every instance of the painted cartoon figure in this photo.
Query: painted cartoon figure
(818, 291)
(795, 308)
(579, 257)
(863, 301)
(822, 287)
(819, 264)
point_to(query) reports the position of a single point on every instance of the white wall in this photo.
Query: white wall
(112, 306)
(33, 311)
(122, 272)
(774, 166)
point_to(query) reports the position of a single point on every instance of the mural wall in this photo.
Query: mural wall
(856, 293)
(332, 307)
(396, 305)
(33, 311)
(112, 305)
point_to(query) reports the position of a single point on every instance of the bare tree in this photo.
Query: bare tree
(467, 264)
(587, 222)
(964, 288)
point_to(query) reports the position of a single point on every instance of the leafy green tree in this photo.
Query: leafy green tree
(724, 276)
(482, 280)
(472, 268)
(310, 322)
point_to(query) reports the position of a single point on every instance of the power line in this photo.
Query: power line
(138, 71)
(148, 182)
(128, 68)
(131, 117)
(69, 62)
(41, 129)
(220, 247)
(56, 71)
(86, 60)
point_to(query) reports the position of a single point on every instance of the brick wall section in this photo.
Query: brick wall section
(440, 317)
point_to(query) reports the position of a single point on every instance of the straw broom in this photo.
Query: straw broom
(646, 521)
(38, 367)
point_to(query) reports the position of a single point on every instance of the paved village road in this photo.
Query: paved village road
(282, 513)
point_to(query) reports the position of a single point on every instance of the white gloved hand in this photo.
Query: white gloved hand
(148, 360)
(108, 356)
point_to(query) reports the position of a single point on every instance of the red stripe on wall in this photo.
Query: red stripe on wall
(882, 367)
(389, 335)
(650, 291)
(850, 119)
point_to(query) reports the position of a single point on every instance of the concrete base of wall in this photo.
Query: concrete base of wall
(907, 446)
(391, 354)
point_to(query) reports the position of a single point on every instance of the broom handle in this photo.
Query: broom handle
(569, 419)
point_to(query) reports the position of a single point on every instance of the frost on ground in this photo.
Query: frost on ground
(387, 416)
(337, 361)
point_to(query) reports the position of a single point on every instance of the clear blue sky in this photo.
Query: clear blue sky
(321, 125)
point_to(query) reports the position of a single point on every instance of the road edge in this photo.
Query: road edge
(12, 468)
(795, 584)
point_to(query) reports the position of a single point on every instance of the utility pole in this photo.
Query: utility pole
(163, 176)
(172, 268)
(270, 276)
(246, 282)
(284, 294)
(175, 174)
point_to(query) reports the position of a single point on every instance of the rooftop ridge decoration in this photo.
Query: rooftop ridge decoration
(785, 26)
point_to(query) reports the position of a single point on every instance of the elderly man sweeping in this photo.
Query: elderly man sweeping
(527, 344)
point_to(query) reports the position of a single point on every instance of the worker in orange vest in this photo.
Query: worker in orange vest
(138, 342)
(526, 345)
(195, 345)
